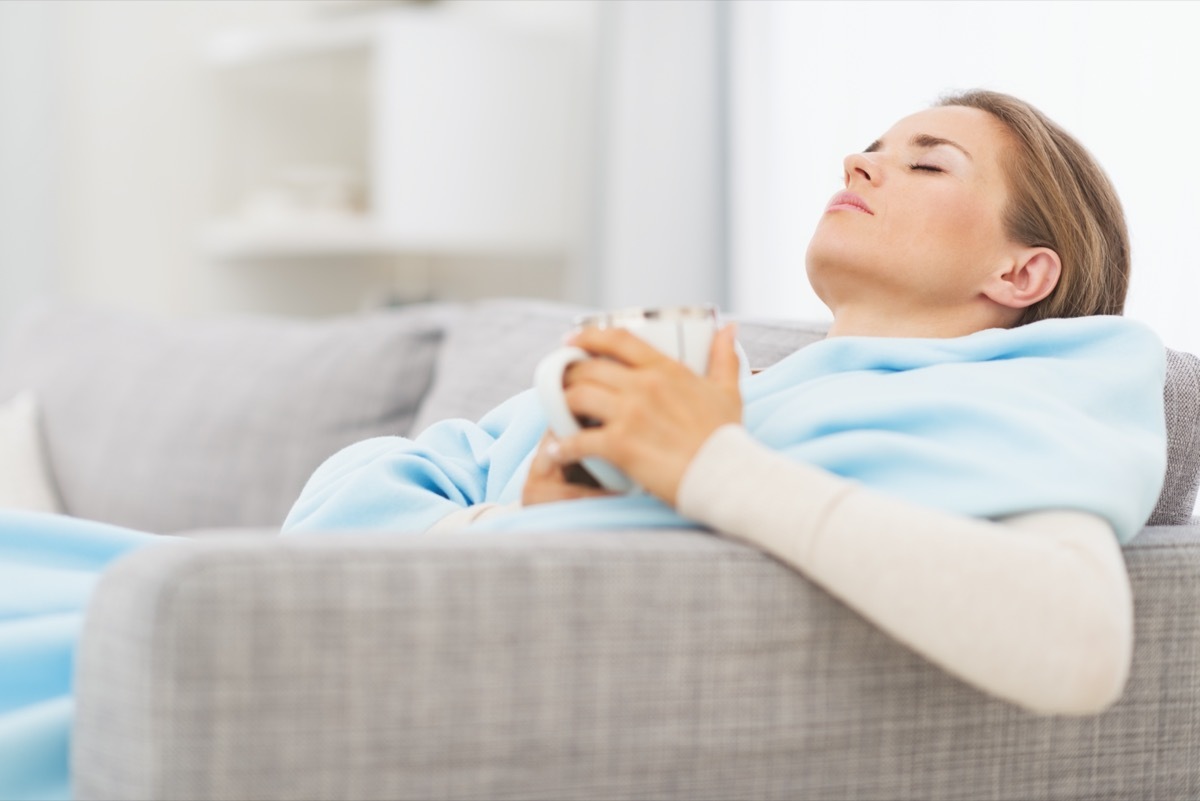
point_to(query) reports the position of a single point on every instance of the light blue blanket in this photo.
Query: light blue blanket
(48, 567)
(1058, 414)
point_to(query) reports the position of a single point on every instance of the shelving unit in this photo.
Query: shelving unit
(249, 47)
(236, 240)
(465, 131)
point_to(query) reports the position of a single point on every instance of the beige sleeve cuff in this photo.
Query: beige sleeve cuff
(471, 514)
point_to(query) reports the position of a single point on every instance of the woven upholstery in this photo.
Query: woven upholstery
(1182, 402)
(489, 354)
(168, 426)
(163, 425)
(581, 665)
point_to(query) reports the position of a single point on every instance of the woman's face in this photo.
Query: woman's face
(932, 227)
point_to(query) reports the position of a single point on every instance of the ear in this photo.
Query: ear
(1029, 278)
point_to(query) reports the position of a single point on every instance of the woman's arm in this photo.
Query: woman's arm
(400, 484)
(1035, 609)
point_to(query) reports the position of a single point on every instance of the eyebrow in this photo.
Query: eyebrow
(922, 140)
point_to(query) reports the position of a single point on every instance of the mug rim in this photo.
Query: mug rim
(606, 319)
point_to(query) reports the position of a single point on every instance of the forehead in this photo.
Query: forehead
(984, 136)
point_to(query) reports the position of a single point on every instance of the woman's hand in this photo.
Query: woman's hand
(654, 412)
(547, 480)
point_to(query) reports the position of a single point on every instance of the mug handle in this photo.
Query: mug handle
(548, 381)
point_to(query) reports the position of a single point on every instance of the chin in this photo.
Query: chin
(833, 264)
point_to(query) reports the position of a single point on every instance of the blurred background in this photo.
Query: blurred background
(316, 158)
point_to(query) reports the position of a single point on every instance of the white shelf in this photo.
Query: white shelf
(241, 47)
(237, 239)
(469, 144)
(245, 47)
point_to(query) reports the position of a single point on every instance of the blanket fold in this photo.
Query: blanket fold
(49, 565)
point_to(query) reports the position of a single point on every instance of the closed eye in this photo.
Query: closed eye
(926, 167)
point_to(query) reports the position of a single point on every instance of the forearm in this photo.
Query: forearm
(1034, 609)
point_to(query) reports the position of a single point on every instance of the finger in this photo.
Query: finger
(589, 442)
(577, 491)
(723, 364)
(620, 344)
(602, 372)
(592, 400)
(546, 456)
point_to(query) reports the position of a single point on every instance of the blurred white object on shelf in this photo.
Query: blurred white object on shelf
(305, 193)
(466, 133)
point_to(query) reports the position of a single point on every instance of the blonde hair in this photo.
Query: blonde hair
(1060, 199)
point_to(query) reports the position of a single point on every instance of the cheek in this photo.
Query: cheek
(956, 230)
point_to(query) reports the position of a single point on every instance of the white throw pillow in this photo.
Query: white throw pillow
(25, 481)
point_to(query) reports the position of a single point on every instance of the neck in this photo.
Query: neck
(889, 320)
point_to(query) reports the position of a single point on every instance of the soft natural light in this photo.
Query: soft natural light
(815, 80)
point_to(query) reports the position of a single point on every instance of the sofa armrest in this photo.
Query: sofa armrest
(632, 664)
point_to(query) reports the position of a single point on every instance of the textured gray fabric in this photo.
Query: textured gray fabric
(164, 425)
(1181, 397)
(768, 341)
(581, 665)
(489, 354)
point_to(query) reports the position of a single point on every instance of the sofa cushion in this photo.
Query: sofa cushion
(490, 353)
(577, 664)
(166, 425)
(1181, 397)
(25, 480)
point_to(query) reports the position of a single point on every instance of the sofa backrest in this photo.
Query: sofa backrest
(171, 425)
(168, 425)
(1181, 398)
(489, 355)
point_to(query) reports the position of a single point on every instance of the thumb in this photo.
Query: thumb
(723, 364)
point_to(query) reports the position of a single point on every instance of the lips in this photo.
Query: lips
(848, 201)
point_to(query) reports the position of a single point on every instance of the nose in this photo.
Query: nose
(861, 165)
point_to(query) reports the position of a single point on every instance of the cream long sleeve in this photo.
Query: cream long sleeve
(1035, 609)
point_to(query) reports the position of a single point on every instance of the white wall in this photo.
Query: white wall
(817, 80)
(28, 169)
(659, 224)
(135, 142)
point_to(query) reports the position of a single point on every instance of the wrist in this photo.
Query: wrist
(696, 477)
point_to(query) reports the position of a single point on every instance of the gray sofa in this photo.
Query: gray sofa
(573, 665)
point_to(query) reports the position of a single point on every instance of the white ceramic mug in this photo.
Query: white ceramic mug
(682, 332)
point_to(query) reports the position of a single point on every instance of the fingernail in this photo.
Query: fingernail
(553, 450)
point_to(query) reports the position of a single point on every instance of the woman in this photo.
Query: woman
(997, 557)
(952, 462)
